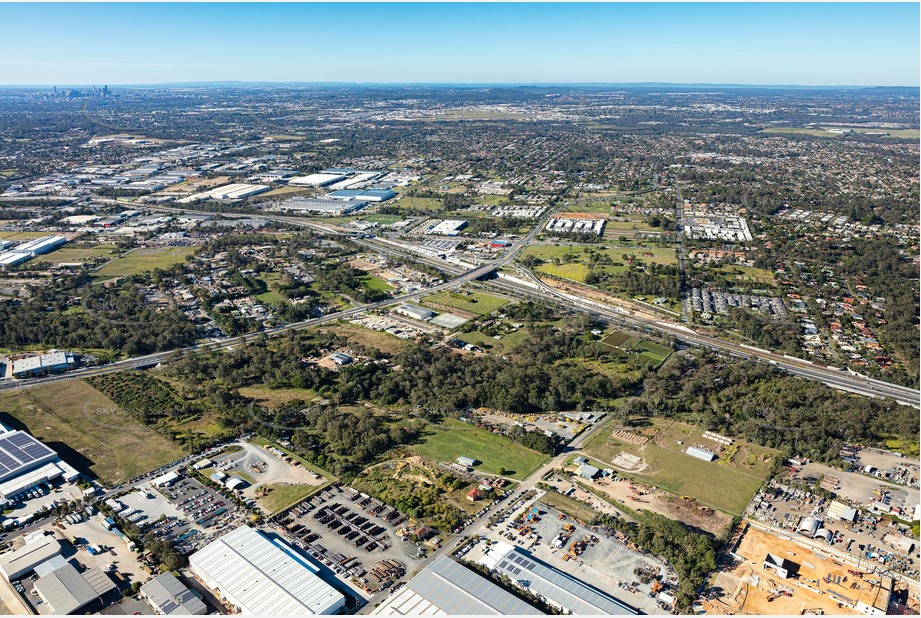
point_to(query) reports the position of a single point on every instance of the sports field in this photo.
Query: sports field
(143, 260)
(456, 439)
(88, 430)
(478, 303)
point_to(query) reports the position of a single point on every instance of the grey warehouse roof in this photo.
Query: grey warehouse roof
(446, 587)
(66, 590)
(170, 596)
(557, 587)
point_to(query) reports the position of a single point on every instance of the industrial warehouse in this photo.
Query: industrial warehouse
(25, 462)
(447, 588)
(554, 586)
(259, 575)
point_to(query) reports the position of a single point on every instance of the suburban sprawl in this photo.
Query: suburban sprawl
(459, 350)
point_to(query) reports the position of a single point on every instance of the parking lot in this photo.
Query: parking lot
(357, 537)
(860, 487)
(195, 509)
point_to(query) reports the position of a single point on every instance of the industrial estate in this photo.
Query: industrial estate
(419, 350)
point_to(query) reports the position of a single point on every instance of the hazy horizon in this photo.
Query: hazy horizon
(757, 44)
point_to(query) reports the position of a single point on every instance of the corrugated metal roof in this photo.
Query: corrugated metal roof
(265, 576)
(446, 587)
(170, 596)
(557, 587)
(66, 590)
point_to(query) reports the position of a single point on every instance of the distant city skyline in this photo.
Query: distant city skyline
(817, 44)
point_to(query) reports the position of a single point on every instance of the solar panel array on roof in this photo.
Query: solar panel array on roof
(559, 588)
(19, 451)
(448, 588)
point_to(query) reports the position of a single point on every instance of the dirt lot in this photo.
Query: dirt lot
(860, 487)
(745, 586)
(649, 498)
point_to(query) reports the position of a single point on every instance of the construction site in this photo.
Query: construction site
(761, 572)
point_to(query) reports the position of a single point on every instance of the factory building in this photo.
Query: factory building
(14, 564)
(556, 587)
(39, 364)
(700, 453)
(781, 567)
(259, 575)
(447, 588)
(368, 195)
(320, 205)
(40, 246)
(167, 596)
(67, 591)
(838, 510)
(414, 312)
(315, 180)
(449, 227)
(25, 462)
(237, 191)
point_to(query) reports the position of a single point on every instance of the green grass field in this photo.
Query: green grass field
(376, 283)
(592, 206)
(78, 253)
(88, 430)
(15, 236)
(575, 272)
(722, 484)
(144, 259)
(382, 219)
(456, 439)
(479, 303)
(417, 204)
(280, 497)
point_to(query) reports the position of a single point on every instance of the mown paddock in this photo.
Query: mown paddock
(144, 259)
(725, 486)
(456, 439)
(478, 303)
(88, 430)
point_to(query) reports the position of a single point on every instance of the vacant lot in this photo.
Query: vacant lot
(574, 508)
(822, 132)
(382, 219)
(477, 303)
(727, 484)
(375, 283)
(455, 439)
(418, 204)
(274, 397)
(385, 342)
(78, 253)
(88, 430)
(144, 259)
(279, 497)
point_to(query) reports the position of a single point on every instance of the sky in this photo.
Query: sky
(745, 43)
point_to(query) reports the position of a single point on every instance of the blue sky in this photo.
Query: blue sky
(791, 43)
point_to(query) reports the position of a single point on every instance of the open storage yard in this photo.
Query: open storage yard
(654, 452)
(357, 537)
(89, 430)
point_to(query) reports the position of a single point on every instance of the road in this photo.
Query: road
(836, 378)
(477, 525)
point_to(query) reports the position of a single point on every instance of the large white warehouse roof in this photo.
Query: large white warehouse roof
(264, 576)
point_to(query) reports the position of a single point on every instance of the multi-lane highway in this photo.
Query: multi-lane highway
(533, 288)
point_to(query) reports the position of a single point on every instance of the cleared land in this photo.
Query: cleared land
(477, 303)
(385, 342)
(375, 283)
(458, 439)
(78, 254)
(822, 132)
(564, 504)
(144, 259)
(278, 497)
(274, 397)
(727, 484)
(88, 430)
